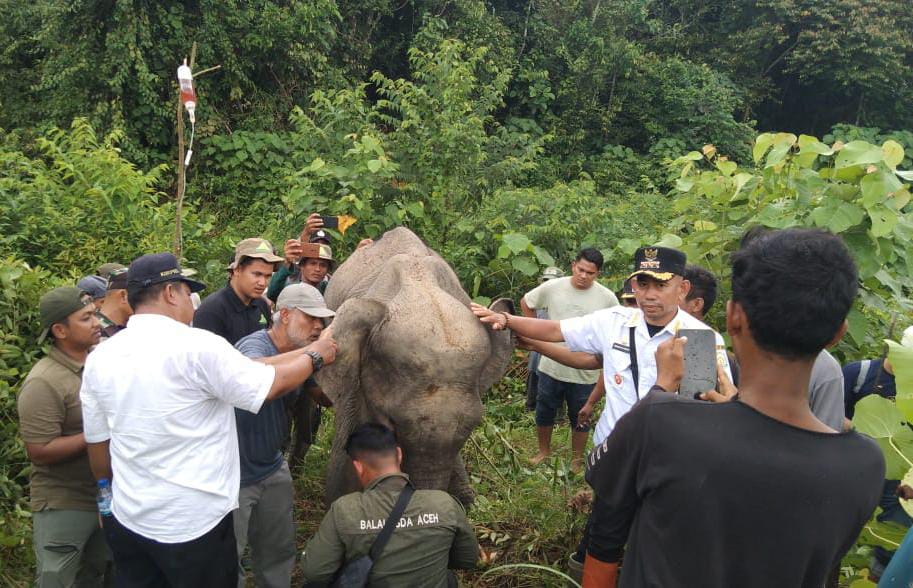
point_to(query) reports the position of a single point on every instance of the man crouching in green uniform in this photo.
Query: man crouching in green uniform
(432, 536)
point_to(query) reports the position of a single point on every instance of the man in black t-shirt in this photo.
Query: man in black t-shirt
(239, 309)
(751, 493)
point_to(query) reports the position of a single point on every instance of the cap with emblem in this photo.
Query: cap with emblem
(106, 269)
(155, 268)
(94, 286)
(316, 251)
(57, 305)
(660, 263)
(627, 291)
(118, 280)
(256, 248)
(305, 298)
(550, 273)
(320, 236)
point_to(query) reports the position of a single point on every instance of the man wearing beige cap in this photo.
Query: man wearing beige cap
(264, 517)
(238, 309)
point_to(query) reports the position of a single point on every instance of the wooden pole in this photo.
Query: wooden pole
(178, 246)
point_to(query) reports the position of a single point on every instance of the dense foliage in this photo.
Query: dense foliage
(507, 134)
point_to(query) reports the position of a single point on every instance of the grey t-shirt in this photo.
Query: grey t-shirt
(825, 391)
(262, 435)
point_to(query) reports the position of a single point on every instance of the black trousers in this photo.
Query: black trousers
(210, 560)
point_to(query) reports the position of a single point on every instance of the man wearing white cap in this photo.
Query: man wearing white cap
(264, 517)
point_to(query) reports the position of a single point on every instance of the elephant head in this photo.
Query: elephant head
(414, 357)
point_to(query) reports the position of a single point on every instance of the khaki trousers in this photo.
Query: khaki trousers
(70, 549)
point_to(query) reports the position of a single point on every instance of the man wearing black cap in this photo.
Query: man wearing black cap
(629, 370)
(68, 542)
(627, 295)
(158, 408)
(114, 309)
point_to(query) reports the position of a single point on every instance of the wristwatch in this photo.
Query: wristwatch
(316, 360)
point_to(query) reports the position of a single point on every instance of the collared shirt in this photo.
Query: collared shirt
(432, 535)
(163, 393)
(49, 408)
(607, 332)
(224, 314)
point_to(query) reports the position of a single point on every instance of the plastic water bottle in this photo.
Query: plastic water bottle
(188, 95)
(104, 497)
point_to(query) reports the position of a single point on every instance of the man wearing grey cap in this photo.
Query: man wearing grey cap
(264, 517)
(95, 286)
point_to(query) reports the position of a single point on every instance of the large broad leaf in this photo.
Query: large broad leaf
(858, 153)
(877, 186)
(837, 216)
(516, 242)
(878, 417)
(761, 145)
(901, 359)
(668, 240)
(893, 153)
(883, 220)
(525, 265)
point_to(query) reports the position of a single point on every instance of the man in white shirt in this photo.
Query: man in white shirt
(158, 409)
(576, 295)
(623, 340)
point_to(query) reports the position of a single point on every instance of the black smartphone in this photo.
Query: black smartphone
(330, 222)
(700, 362)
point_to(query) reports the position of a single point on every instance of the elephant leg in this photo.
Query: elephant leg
(460, 487)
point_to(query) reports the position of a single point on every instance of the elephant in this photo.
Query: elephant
(411, 356)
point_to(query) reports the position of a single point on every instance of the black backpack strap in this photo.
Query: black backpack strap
(635, 372)
(398, 509)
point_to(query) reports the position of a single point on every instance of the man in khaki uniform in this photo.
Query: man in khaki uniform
(69, 546)
(431, 536)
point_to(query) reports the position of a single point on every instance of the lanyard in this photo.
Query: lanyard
(635, 372)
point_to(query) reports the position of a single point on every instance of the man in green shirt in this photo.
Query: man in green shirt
(564, 298)
(69, 546)
(431, 537)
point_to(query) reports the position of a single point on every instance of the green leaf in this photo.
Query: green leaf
(858, 153)
(516, 242)
(837, 216)
(628, 246)
(876, 186)
(761, 145)
(906, 175)
(503, 252)
(668, 240)
(878, 417)
(727, 168)
(543, 256)
(374, 165)
(901, 358)
(892, 151)
(704, 225)
(883, 221)
(857, 326)
(525, 265)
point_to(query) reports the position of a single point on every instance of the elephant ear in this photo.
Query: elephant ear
(354, 321)
(502, 347)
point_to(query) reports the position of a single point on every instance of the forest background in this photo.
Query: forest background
(507, 134)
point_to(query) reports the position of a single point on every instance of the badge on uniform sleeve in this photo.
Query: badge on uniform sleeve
(618, 379)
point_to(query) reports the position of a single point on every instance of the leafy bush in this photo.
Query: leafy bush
(20, 288)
